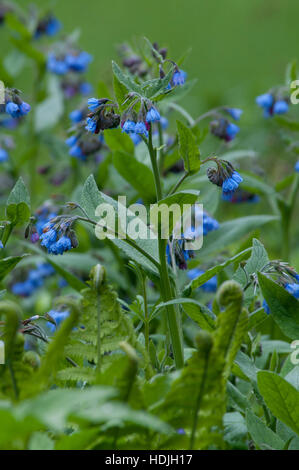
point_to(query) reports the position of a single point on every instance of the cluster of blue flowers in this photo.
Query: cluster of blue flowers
(59, 316)
(181, 255)
(231, 183)
(71, 62)
(223, 129)
(48, 26)
(1, 245)
(297, 166)
(209, 286)
(34, 280)
(54, 240)
(137, 129)
(178, 79)
(272, 105)
(17, 108)
(235, 113)
(43, 216)
(77, 115)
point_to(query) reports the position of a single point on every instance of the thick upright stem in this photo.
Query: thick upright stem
(172, 316)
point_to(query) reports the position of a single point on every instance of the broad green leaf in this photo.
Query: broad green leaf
(179, 200)
(119, 141)
(8, 264)
(19, 193)
(283, 306)
(91, 198)
(188, 148)
(209, 273)
(261, 434)
(125, 79)
(199, 313)
(120, 92)
(136, 173)
(281, 398)
(257, 261)
(18, 204)
(235, 429)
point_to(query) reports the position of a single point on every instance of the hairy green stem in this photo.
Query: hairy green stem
(178, 184)
(172, 314)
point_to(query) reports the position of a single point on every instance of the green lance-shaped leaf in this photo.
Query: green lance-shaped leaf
(174, 206)
(125, 79)
(188, 148)
(8, 264)
(91, 198)
(261, 434)
(120, 92)
(119, 141)
(283, 306)
(198, 312)
(203, 278)
(136, 173)
(18, 204)
(281, 398)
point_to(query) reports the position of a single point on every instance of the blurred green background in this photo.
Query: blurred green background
(239, 47)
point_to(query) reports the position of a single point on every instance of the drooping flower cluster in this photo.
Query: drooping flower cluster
(225, 176)
(297, 166)
(139, 126)
(102, 115)
(72, 60)
(58, 237)
(34, 280)
(14, 105)
(176, 250)
(48, 25)
(43, 215)
(272, 104)
(223, 129)
(80, 143)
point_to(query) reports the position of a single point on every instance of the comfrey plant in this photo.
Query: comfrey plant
(149, 341)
